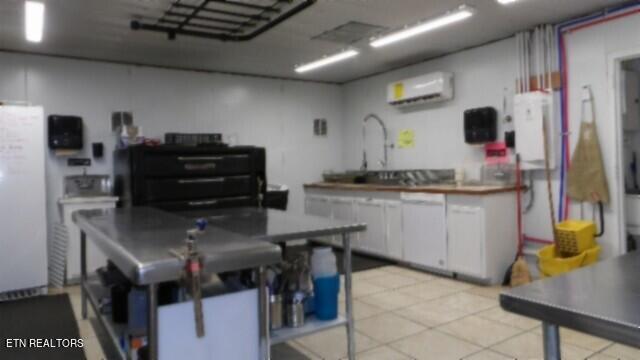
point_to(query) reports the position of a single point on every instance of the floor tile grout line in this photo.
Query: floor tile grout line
(491, 347)
(306, 348)
(578, 346)
(447, 322)
(400, 350)
(520, 331)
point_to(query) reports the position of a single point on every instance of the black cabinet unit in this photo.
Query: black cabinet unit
(180, 178)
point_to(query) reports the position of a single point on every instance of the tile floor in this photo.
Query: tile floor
(407, 314)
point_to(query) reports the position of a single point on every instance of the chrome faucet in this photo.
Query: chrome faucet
(385, 145)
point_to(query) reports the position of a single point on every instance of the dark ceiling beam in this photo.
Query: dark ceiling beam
(205, 18)
(248, 5)
(196, 25)
(172, 32)
(223, 12)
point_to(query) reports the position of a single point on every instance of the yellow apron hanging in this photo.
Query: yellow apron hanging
(586, 180)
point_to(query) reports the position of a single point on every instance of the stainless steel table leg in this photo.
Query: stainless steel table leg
(83, 274)
(263, 313)
(152, 326)
(551, 341)
(351, 341)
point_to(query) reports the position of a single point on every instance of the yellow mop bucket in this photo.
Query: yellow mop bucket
(551, 264)
(574, 237)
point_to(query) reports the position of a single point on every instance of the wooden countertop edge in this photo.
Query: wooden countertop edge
(433, 190)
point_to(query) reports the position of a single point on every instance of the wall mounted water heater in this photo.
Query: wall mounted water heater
(530, 110)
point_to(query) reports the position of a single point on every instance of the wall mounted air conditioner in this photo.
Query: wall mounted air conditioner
(428, 88)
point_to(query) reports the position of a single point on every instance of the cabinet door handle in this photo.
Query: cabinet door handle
(200, 158)
(201, 203)
(200, 181)
(200, 166)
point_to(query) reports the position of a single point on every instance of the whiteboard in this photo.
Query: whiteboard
(23, 218)
(230, 325)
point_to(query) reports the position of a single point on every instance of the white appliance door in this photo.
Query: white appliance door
(425, 231)
(22, 199)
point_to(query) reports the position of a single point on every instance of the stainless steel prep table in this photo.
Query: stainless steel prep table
(139, 240)
(279, 227)
(601, 300)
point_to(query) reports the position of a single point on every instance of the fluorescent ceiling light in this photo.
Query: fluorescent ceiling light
(459, 14)
(327, 61)
(33, 20)
(506, 2)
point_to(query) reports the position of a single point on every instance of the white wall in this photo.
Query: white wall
(481, 76)
(590, 52)
(276, 114)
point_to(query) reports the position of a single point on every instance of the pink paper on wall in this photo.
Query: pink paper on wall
(496, 153)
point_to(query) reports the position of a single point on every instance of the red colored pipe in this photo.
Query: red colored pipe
(601, 21)
(537, 240)
(519, 205)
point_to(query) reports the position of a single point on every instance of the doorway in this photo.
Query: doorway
(627, 100)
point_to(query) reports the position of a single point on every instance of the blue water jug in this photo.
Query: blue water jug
(326, 290)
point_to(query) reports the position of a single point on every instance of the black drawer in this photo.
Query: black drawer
(197, 188)
(202, 204)
(196, 164)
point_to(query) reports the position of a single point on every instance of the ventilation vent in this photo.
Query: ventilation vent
(22, 294)
(350, 32)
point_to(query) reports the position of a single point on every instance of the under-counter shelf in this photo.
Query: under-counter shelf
(95, 291)
(311, 326)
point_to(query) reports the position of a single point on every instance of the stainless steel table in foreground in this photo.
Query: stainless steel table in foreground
(139, 242)
(601, 300)
(279, 227)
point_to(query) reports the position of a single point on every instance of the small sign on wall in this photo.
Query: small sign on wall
(406, 139)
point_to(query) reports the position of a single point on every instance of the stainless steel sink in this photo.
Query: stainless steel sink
(87, 185)
(416, 177)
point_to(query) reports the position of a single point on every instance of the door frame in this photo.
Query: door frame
(614, 90)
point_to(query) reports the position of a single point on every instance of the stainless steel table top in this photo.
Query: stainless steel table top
(602, 299)
(139, 239)
(274, 225)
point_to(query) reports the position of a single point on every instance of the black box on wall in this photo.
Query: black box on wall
(480, 125)
(65, 132)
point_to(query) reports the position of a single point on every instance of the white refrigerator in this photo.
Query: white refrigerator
(23, 222)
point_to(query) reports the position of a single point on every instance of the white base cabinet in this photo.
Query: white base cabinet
(318, 206)
(343, 208)
(470, 235)
(482, 235)
(371, 212)
(395, 233)
(466, 239)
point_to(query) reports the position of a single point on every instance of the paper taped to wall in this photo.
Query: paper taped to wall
(406, 139)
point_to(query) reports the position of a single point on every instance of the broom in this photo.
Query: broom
(518, 273)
